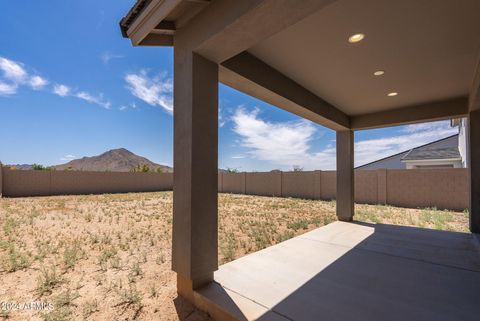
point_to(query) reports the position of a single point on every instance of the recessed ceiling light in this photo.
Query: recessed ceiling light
(392, 94)
(378, 73)
(356, 38)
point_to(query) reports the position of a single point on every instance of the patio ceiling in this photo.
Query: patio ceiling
(427, 49)
(296, 55)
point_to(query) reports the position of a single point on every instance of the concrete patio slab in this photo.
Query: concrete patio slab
(354, 271)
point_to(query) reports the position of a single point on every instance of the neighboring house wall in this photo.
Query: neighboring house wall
(463, 141)
(442, 163)
(395, 161)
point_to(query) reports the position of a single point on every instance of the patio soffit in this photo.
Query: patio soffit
(426, 49)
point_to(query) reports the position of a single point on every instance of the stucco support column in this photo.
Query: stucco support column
(195, 187)
(474, 169)
(345, 175)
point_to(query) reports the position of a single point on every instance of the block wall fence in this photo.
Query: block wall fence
(440, 188)
(18, 183)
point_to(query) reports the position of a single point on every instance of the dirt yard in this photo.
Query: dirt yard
(107, 257)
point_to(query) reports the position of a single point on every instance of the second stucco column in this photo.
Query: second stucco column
(474, 169)
(345, 175)
(195, 187)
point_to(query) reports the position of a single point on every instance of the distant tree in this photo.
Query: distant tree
(141, 168)
(232, 170)
(159, 170)
(297, 168)
(38, 167)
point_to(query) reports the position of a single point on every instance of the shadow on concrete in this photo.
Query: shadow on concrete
(187, 312)
(390, 273)
(397, 273)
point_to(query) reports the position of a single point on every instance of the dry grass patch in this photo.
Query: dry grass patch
(107, 257)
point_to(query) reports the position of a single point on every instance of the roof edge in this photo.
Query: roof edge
(430, 160)
(132, 15)
(406, 151)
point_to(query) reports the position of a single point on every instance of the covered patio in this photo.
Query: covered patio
(352, 271)
(348, 65)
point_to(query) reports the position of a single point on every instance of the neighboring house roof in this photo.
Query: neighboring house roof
(381, 159)
(425, 153)
(408, 151)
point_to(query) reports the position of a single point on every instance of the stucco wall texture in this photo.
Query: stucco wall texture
(440, 188)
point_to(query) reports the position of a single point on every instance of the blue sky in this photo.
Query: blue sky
(71, 86)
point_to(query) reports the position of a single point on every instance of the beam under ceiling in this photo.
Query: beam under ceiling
(437, 110)
(165, 27)
(157, 40)
(249, 74)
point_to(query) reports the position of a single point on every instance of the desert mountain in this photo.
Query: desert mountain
(21, 167)
(115, 160)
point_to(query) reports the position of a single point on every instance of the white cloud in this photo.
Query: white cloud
(131, 105)
(14, 74)
(67, 158)
(64, 91)
(284, 143)
(221, 119)
(289, 143)
(7, 89)
(107, 56)
(98, 100)
(238, 157)
(12, 70)
(61, 90)
(37, 82)
(155, 91)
